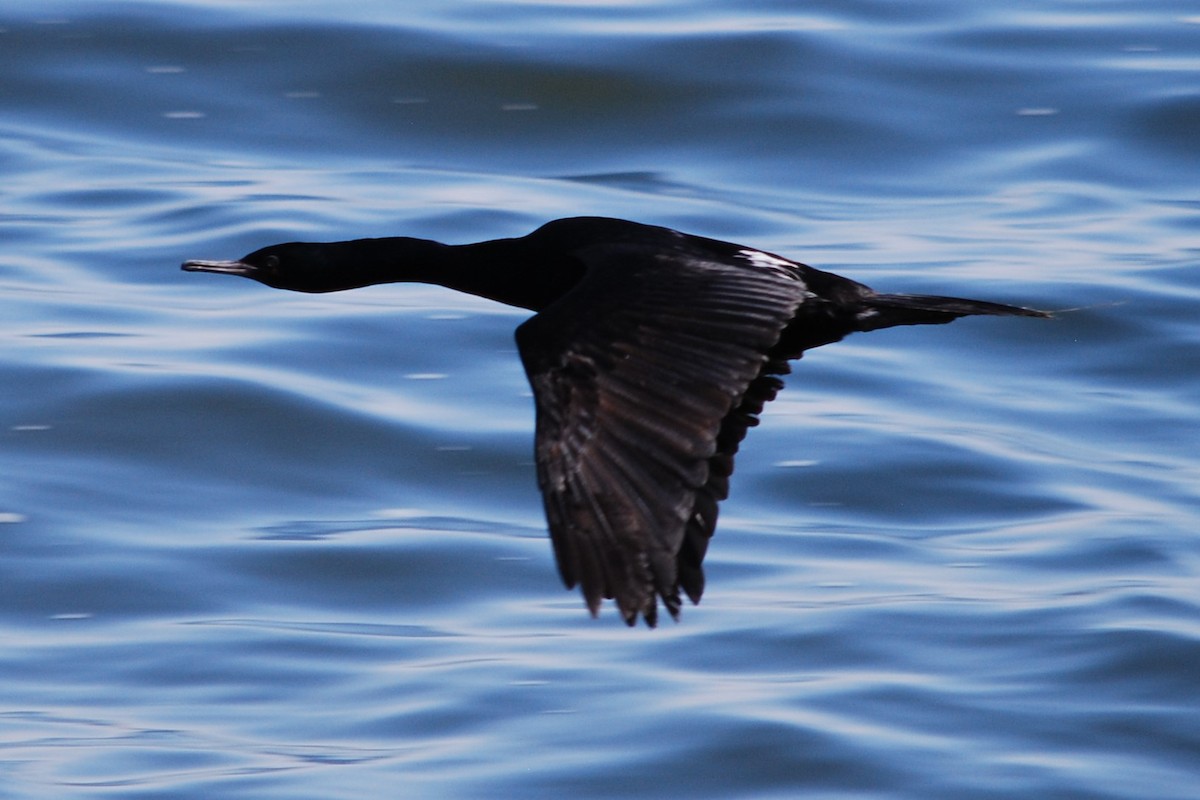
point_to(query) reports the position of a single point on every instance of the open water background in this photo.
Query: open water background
(256, 544)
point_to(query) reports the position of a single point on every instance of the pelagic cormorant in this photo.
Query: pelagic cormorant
(650, 353)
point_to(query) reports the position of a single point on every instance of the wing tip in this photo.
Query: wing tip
(633, 608)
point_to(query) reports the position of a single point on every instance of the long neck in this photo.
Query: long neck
(505, 270)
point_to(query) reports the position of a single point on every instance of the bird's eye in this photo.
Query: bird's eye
(271, 262)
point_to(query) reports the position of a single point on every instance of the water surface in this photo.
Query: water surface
(256, 544)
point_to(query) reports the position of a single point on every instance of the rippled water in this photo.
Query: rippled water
(256, 544)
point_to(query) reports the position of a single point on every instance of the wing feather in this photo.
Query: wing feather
(645, 377)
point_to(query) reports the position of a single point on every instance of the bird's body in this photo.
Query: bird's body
(650, 354)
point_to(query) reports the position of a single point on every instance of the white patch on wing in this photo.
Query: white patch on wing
(764, 260)
(761, 260)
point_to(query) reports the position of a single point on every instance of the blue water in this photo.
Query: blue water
(256, 544)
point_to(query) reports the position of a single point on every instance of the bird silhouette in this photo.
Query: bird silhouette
(650, 354)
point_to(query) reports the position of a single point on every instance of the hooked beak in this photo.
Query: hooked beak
(224, 267)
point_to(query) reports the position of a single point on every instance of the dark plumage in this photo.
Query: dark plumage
(650, 354)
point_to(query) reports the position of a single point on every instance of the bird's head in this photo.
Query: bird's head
(299, 266)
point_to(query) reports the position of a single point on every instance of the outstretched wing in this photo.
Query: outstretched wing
(645, 376)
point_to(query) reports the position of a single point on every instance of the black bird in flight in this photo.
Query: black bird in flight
(650, 353)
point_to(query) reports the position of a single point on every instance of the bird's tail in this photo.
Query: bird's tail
(886, 310)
